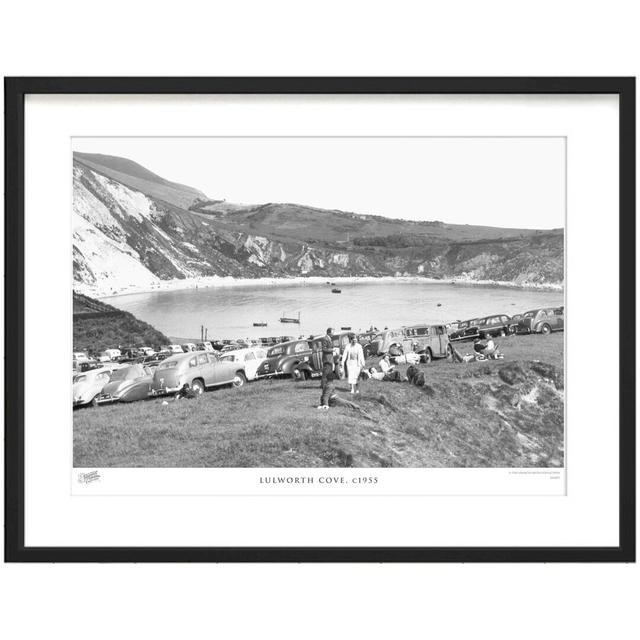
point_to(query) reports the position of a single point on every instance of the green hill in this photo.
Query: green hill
(98, 326)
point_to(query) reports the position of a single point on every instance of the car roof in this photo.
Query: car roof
(245, 350)
(183, 356)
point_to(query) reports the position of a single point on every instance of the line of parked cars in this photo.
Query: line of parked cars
(544, 320)
(138, 373)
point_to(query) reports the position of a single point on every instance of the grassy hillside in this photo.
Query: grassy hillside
(137, 177)
(98, 326)
(507, 413)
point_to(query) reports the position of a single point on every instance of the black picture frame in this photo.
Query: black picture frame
(15, 91)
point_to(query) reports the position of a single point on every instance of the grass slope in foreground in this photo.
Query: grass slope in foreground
(507, 413)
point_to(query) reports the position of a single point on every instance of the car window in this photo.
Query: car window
(301, 346)
(79, 378)
(529, 314)
(202, 358)
(102, 376)
(168, 364)
(559, 312)
(120, 374)
(276, 351)
(193, 362)
(261, 353)
(249, 356)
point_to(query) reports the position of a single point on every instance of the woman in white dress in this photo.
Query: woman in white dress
(353, 358)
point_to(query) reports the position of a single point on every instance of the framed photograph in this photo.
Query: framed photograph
(320, 319)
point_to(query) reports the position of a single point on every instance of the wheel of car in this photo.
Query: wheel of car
(239, 379)
(449, 353)
(366, 351)
(426, 356)
(545, 330)
(198, 387)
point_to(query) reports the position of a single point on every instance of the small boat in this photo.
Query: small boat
(290, 320)
(259, 324)
(336, 290)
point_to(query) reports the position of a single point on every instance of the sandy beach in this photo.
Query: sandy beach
(106, 291)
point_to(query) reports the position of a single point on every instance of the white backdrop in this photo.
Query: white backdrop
(367, 38)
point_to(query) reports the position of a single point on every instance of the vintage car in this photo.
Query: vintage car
(251, 357)
(513, 323)
(384, 340)
(204, 346)
(493, 326)
(199, 370)
(187, 347)
(428, 341)
(312, 367)
(542, 321)
(88, 385)
(109, 355)
(154, 359)
(365, 339)
(283, 358)
(174, 348)
(464, 330)
(127, 384)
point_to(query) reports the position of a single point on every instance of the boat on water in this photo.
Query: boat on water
(259, 324)
(336, 290)
(290, 320)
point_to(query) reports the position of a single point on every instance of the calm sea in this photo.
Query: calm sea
(229, 312)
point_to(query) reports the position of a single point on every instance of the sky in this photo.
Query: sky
(502, 182)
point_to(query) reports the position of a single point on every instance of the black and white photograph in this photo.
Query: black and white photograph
(318, 302)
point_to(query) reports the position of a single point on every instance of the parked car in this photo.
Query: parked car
(428, 341)
(174, 348)
(155, 359)
(109, 355)
(88, 385)
(199, 370)
(80, 356)
(493, 326)
(283, 358)
(190, 346)
(513, 323)
(365, 339)
(127, 385)
(87, 365)
(311, 367)
(204, 346)
(251, 357)
(542, 321)
(384, 340)
(464, 330)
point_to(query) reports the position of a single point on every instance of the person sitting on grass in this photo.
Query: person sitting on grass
(330, 398)
(186, 392)
(487, 349)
